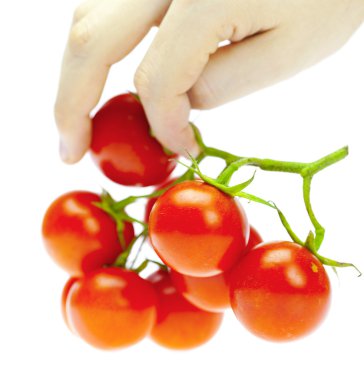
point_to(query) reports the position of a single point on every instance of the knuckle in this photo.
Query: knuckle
(142, 82)
(80, 37)
(79, 13)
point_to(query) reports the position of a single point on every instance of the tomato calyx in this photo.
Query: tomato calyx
(117, 211)
(118, 214)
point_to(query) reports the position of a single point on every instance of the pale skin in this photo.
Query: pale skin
(184, 68)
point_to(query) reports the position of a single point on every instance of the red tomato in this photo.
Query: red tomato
(198, 230)
(80, 236)
(280, 291)
(210, 293)
(179, 324)
(111, 308)
(122, 145)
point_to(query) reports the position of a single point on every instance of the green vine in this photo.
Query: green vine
(233, 163)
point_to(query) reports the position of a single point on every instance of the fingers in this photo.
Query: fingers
(240, 69)
(298, 40)
(188, 36)
(103, 32)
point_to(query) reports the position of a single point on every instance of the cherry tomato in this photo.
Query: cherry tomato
(280, 291)
(80, 236)
(198, 230)
(122, 145)
(210, 293)
(179, 324)
(111, 308)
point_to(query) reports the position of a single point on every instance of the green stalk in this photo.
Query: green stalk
(319, 229)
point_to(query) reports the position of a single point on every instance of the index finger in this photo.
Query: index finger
(174, 62)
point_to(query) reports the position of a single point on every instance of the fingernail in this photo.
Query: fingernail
(63, 151)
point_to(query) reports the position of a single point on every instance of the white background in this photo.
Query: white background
(304, 118)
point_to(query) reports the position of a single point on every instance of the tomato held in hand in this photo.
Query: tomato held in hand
(111, 308)
(122, 145)
(280, 291)
(80, 236)
(179, 324)
(210, 293)
(198, 230)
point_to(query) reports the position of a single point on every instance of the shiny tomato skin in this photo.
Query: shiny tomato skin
(179, 324)
(210, 293)
(198, 230)
(207, 293)
(280, 291)
(122, 145)
(111, 308)
(79, 236)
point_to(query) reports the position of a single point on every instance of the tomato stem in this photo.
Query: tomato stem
(145, 235)
(319, 229)
(106, 205)
(234, 162)
(121, 260)
(145, 263)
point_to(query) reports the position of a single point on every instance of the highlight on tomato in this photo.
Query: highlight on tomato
(111, 308)
(123, 147)
(79, 236)
(198, 230)
(66, 289)
(179, 324)
(210, 293)
(280, 291)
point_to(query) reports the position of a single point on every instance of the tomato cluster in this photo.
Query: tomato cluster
(212, 258)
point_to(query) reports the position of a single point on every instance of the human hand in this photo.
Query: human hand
(185, 66)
